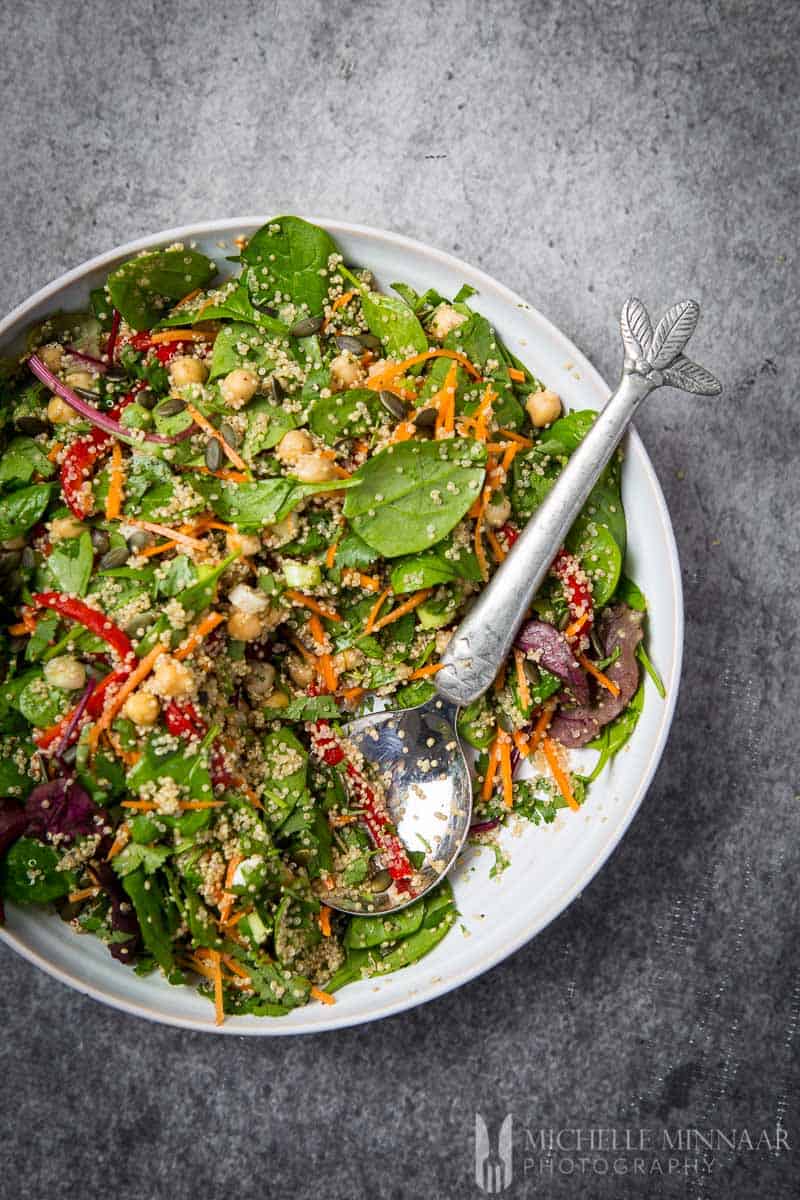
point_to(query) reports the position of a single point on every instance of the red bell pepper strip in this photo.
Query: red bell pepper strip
(577, 589)
(91, 618)
(77, 464)
(327, 747)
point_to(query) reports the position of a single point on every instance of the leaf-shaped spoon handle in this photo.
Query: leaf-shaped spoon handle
(653, 358)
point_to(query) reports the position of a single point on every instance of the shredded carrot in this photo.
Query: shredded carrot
(561, 778)
(235, 918)
(164, 336)
(118, 699)
(445, 403)
(208, 428)
(370, 583)
(228, 897)
(328, 672)
(522, 680)
(545, 717)
(325, 920)
(303, 651)
(54, 453)
(216, 965)
(376, 608)
(393, 370)
(341, 473)
(202, 630)
(123, 836)
(164, 531)
(340, 301)
(517, 375)
(316, 630)
(205, 523)
(403, 432)
(510, 454)
(116, 479)
(235, 967)
(516, 437)
(425, 672)
(330, 556)
(151, 551)
(576, 626)
(506, 774)
(229, 476)
(323, 997)
(198, 805)
(26, 625)
(83, 894)
(311, 604)
(483, 412)
(129, 757)
(352, 694)
(342, 819)
(497, 550)
(406, 607)
(480, 553)
(192, 295)
(602, 679)
(521, 742)
(491, 769)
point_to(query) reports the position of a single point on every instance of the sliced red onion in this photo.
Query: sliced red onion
(78, 712)
(100, 419)
(94, 364)
(484, 826)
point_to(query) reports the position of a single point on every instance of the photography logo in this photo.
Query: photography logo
(494, 1168)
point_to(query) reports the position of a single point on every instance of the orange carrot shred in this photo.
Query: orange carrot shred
(323, 997)
(562, 779)
(511, 436)
(370, 583)
(164, 531)
(480, 553)
(576, 626)
(164, 336)
(115, 484)
(219, 1007)
(328, 672)
(123, 836)
(393, 370)
(376, 608)
(406, 607)
(82, 894)
(425, 672)
(521, 742)
(497, 550)
(55, 451)
(517, 375)
(162, 548)
(491, 769)
(208, 428)
(545, 717)
(340, 301)
(602, 679)
(325, 920)
(316, 630)
(522, 680)
(311, 604)
(228, 897)
(205, 627)
(330, 556)
(118, 699)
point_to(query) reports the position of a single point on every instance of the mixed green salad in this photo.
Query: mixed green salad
(238, 504)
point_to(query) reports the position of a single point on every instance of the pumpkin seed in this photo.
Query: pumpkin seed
(214, 455)
(380, 882)
(136, 625)
(28, 561)
(114, 558)
(147, 399)
(345, 342)
(277, 390)
(86, 394)
(369, 341)
(171, 407)
(138, 541)
(396, 407)
(425, 418)
(307, 327)
(31, 425)
(230, 435)
(100, 540)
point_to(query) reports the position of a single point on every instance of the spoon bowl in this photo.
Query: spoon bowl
(426, 780)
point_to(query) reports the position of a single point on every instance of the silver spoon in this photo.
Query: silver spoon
(417, 751)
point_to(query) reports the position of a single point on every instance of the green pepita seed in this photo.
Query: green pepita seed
(307, 327)
(171, 407)
(396, 407)
(214, 455)
(114, 558)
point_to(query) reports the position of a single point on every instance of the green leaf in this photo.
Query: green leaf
(345, 414)
(14, 780)
(21, 510)
(190, 771)
(414, 493)
(363, 932)
(614, 736)
(21, 460)
(40, 702)
(440, 564)
(143, 287)
(629, 593)
(251, 505)
(266, 425)
(70, 565)
(287, 770)
(565, 435)
(310, 708)
(241, 345)
(600, 557)
(29, 873)
(391, 319)
(644, 659)
(134, 856)
(149, 904)
(289, 257)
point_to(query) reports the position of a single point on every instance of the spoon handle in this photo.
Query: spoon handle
(485, 636)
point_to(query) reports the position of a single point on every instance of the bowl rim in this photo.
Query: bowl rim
(503, 950)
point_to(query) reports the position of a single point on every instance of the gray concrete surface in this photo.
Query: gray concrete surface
(577, 151)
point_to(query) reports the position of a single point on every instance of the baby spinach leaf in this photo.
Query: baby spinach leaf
(251, 505)
(181, 573)
(29, 873)
(143, 287)
(266, 425)
(614, 736)
(628, 593)
(70, 565)
(13, 780)
(21, 510)
(311, 708)
(289, 257)
(149, 858)
(391, 319)
(345, 414)
(241, 345)
(440, 564)
(600, 556)
(412, 494)
(644, 659)
(363, 932)
(21, 460)
(355, 552)
(40, 703)
(189, 771)
(149, 904)
(565, 435)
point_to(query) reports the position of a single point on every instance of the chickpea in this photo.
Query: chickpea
(65, 672)
(284, 531)
(185, 369)
(292, 445)
(238, 387)
(142, 708)
(314, 468)
(300, 672)
(543, 408)
(248, 600)
(52, 355)
(498, 511)
(347, 660)
(277, 700)
(59, 412)
(172, 678)
(62, 528)
(80, 379)
(243, 626)
(346, 372)
(444, 321)
(247, 544)
(260, 682)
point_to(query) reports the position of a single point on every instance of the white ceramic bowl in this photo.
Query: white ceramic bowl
(549, 866)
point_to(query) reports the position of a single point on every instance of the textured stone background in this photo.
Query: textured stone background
(577, 151)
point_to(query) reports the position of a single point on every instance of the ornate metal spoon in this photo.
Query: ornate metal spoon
(417, 750)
